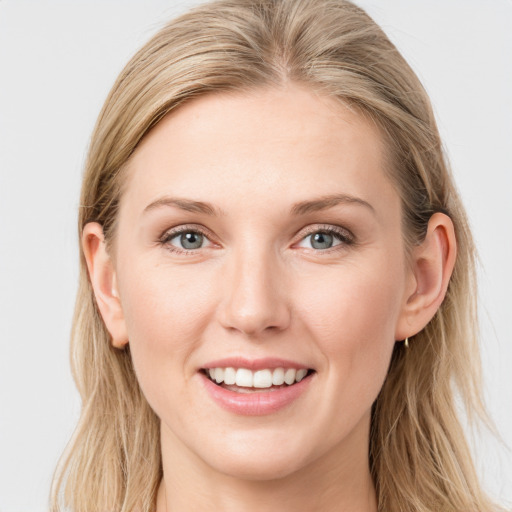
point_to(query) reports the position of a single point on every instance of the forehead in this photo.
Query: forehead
(262, 142)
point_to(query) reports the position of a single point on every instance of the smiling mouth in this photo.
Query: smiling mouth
(243, 380)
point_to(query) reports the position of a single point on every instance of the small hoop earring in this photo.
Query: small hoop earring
(406, 342)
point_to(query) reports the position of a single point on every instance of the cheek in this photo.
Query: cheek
(353, 325)
(164, 306)
(165, 312)
(353, 320)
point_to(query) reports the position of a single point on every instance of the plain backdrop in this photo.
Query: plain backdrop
(58, 59)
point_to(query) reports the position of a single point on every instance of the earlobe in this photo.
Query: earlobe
(104, 282)
(431, 268)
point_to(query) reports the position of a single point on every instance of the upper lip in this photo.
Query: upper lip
(254, 364)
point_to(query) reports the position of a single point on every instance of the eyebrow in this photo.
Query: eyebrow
(301, 208)
(187, 205)
(325, 202)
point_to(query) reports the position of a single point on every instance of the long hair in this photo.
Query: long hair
(418, 454)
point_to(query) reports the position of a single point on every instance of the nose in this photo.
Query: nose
(254, 295)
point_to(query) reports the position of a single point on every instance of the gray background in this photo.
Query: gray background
(58, 60)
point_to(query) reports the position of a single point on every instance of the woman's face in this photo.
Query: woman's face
(259, 231)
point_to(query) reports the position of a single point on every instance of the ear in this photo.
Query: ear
(432, 265)
(103, 279)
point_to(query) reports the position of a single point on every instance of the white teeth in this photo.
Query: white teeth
(244, 378)
(219, 375)
(278, 377)
(261, 379)
(289, 376)
(300, 374)
(229, 376)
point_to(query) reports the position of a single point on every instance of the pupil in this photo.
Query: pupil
(322, 241)
(191, 240)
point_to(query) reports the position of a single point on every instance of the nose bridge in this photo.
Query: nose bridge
(254, 295)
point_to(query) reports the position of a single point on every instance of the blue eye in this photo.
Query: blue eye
(190, 240)
(184, 240)
(187, 240)
(322, 240)
(326, 238)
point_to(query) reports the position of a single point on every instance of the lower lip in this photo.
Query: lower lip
(257, 403)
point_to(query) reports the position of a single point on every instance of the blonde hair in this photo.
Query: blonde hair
(419, 458)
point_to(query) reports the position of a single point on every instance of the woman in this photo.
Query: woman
(277, 291)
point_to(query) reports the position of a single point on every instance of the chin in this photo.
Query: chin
(256, 460)
(264, 468)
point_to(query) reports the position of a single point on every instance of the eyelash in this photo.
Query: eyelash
(343, 235)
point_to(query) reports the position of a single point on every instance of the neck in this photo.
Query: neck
(338, 481)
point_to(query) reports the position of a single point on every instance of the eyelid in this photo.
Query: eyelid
(342, 232)
(176, 230)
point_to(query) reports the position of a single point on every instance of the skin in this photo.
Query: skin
(259, 288)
